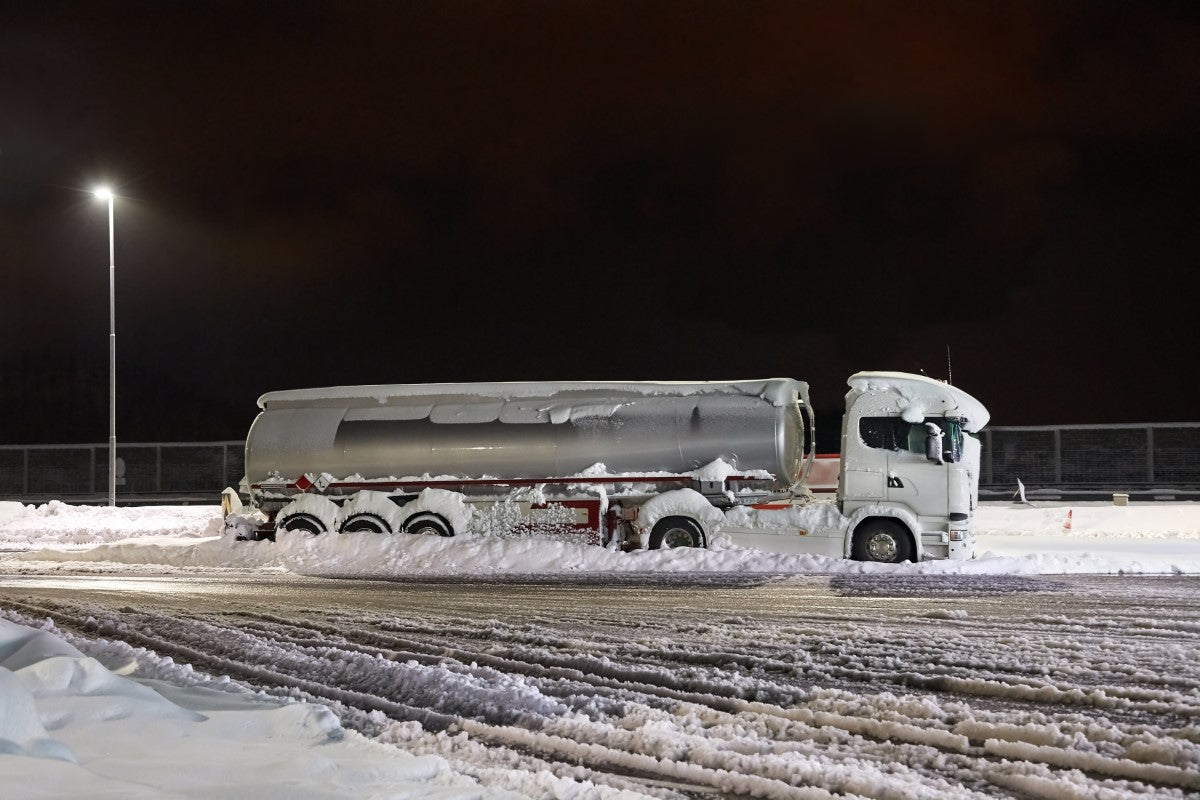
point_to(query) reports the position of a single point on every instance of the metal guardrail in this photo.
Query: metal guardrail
(146, 471)
(1159, 459)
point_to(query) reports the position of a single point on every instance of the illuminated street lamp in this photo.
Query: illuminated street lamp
(104, 193)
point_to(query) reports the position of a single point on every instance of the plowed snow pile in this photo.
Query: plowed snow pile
(205, 742)
(1146, 538)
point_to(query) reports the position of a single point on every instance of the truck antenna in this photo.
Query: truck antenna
(949, 371)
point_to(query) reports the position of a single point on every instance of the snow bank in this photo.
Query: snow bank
(69, 727)
(813, 517)
(373, 555)
(1138, 521)
(57, 524)
(10, 511)
(1159, 538)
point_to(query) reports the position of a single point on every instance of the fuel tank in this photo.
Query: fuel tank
(531, 430)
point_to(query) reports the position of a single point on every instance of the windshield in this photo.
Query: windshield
(893, 433)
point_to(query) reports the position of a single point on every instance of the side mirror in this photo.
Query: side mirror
(933, 443)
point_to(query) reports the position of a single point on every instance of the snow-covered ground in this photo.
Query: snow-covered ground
(69, 727)
(1118, 697)
(1022, 540)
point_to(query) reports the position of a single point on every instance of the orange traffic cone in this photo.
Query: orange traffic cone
(1067, 524)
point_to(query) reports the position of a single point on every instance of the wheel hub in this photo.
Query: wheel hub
(882, 547)
(678, 537)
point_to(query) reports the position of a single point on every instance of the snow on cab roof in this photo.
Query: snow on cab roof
(921, 395)
(777, 391)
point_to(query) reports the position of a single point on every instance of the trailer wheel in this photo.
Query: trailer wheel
(307, 513)
(882, 540)
(428, 524)
(365, 523)
(368, 512)
(301, 521)
(671, 532)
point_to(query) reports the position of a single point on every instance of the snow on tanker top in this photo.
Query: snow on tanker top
(519, 402)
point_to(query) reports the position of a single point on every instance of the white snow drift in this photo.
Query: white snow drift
(1145, 538)
(69, 727)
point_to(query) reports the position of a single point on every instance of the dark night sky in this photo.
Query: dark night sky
(375, 192)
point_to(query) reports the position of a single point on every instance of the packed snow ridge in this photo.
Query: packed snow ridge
(1153, 538)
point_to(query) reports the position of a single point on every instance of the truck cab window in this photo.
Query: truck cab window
(953, 443)
(880, 432)
(893, 433)
(915, 441)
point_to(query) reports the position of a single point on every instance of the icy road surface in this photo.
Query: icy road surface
(688, 685)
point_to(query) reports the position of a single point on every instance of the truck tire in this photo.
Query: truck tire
(671, 532)
(882, 540)
(428, 523)
(365, 522)
(309, 514)
(300, 521)
(368, 512)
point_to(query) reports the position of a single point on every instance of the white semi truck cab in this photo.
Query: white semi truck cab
(909, 465)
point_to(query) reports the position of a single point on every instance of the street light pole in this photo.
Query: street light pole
(104, 193)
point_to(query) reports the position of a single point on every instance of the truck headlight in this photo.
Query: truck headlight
(959, 536)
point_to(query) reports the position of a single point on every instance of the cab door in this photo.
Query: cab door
(864, 466)
(920, 467)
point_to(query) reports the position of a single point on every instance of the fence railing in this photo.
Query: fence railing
(146, 471)
(1101, 458)
(1161, 457)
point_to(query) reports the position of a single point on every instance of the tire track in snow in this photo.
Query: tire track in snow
(742, 704)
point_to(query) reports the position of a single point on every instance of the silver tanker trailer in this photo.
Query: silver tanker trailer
(635, 465)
